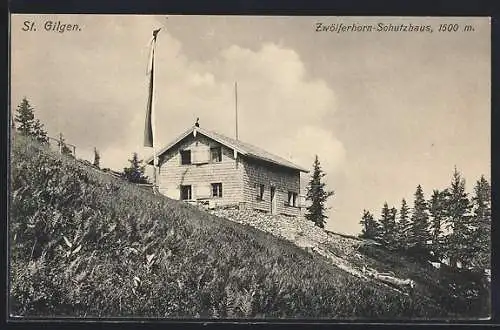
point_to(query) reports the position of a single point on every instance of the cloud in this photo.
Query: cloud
(95, 92)
(310, 141)
(279, 108)
(307, 142)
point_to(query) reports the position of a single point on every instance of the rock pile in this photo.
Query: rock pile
(338, 249)
(301, 232)
(289, 228)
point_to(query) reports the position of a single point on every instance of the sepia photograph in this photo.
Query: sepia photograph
(215, 167)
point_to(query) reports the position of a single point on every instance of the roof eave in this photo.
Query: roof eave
(149, 161)
(297, 168)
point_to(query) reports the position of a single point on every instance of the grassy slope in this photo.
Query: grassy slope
(202, 266)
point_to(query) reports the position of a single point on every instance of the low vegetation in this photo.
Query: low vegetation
(86, 244)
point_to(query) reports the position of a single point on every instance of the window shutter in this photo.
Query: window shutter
(194, 155)
(194, 192)
(203, 191)
(204, 154)
(200, 154)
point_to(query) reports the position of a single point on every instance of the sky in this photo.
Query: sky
(384, 111)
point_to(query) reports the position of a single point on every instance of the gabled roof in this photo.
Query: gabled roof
(242, 148)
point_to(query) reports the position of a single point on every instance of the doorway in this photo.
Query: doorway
(273, 200)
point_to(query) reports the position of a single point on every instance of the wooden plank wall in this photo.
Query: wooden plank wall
(228, 172)
(285, 180)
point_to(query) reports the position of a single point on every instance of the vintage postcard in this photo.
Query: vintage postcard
(250, 167)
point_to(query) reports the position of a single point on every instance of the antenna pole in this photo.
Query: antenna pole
(236, 106)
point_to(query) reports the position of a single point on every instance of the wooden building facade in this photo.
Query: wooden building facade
(202, 166)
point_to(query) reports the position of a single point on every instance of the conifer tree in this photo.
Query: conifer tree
(437, 216)
(482, 220)
(459, 222)
(387, 225)
(419, 234)
(403, 225)
(318, 195)
(39, 132)
(371, 227)
(393, 217)
(97, 158)
(25, 118)
(135, 172)
(63, 148)
(27, 124)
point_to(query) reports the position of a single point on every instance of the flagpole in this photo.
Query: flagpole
(153, 124)
(150, 129)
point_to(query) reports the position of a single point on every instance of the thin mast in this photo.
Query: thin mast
(153, 115)
(236, 106)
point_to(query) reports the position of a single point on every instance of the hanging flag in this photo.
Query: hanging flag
(148, 129)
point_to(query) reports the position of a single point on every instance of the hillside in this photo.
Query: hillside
(362, 258)
(86, 244)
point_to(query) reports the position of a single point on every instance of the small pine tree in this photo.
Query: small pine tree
(481, 241)
(371, 228)
(458, 210)
(25, 118)
(403, 225)
(63, 148)
(393, 226)
(419, 233)
(387, 226)
(437, 214)
(97, 158)
(135, 172)
(39, 133)
(318, 196)
(27, 124)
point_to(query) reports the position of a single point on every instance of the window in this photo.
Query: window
(292, 198)
(216, 189)
(261, 192)
(216, 154)
(185, 157)
(186, 193)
